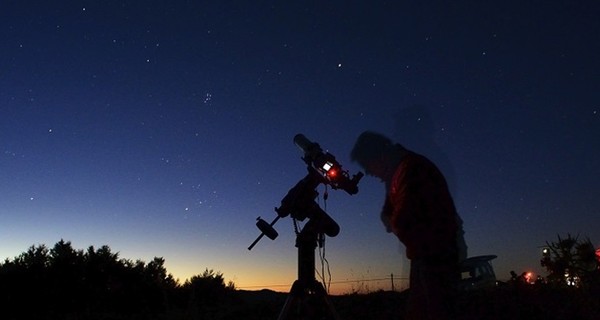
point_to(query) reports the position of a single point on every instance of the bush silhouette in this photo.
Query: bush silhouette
(63, 282)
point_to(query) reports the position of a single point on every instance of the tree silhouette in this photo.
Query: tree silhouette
(65, 283)
(207, 295)
(65, 273)
(571, 262)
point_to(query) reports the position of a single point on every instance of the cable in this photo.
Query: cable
(297, 229)
(326, 283)
(325, 279)
(323, 261)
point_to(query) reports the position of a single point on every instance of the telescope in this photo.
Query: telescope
(308, 297)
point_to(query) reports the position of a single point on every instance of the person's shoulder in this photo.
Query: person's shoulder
(417, 161)
(412, 157)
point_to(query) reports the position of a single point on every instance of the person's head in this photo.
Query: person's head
(376, 153)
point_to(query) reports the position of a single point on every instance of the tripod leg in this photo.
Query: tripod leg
(322, 294)
(308, 302)
(285, 311)
(293, 298)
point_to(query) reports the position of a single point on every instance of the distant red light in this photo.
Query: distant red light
(598, 254)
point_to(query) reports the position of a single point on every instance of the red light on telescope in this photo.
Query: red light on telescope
(329, 170)
(332, 173)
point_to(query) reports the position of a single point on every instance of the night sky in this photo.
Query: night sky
(165, 128)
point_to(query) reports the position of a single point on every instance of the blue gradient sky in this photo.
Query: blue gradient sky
(164, 128)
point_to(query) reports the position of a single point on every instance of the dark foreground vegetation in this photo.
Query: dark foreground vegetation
(64, 283)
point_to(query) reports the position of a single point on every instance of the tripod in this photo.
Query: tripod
(307, 298)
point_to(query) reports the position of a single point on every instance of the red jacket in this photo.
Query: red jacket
(421, 211)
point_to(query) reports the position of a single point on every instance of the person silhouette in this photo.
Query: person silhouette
(420, 211)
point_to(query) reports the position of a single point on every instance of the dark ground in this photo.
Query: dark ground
(503, 303)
